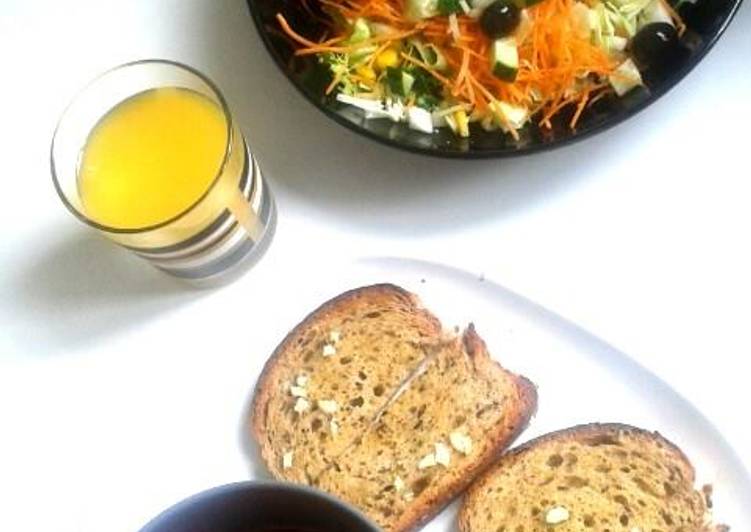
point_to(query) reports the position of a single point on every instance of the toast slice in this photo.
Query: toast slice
(589, 478)
(397, 416)
(453, 419)
(331, 376)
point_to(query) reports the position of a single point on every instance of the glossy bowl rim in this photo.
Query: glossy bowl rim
(256, 485)
(502, 153)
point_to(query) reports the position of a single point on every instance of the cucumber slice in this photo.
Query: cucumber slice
(625, 77)
(399, 81)
(504, 59)
(407, 81)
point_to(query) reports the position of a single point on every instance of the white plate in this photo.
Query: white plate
(163, 415)
(580, 378)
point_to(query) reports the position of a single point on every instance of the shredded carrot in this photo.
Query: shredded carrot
(295, 36)
(558, 67)
(579, 109)
(333, 84)
(462, 72)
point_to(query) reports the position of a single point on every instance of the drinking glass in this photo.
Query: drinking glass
(228, 224)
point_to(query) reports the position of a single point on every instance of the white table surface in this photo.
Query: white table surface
(640, 235)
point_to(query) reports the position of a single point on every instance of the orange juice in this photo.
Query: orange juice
(149, 154)
(151, 157)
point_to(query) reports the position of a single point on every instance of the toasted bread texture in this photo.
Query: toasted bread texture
(453, 419)
(597, 477)
(397, 416)
(332, 375)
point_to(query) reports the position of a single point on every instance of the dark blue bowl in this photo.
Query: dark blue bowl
(260, 507)
(706, 20)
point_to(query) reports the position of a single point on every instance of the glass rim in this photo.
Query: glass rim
(226, 157)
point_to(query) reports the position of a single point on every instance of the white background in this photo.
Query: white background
(640, 235)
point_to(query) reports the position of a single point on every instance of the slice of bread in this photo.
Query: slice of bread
(453, 419)
(598, 478)
(391, 392)
(339, 367)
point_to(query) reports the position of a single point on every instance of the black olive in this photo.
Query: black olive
(655, 45)
(500, 19)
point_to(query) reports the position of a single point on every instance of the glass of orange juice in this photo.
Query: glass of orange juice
(149, 155)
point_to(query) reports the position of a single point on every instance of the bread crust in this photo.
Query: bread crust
(516, 419)
(575, 433)
(264, 388)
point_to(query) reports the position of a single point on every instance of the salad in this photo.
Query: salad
(498, 63)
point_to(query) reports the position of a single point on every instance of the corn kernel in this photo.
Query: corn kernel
(366, 72)
(462, 123)
(388, 58)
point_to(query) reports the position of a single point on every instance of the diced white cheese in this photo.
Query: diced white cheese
(328, 406)
(287, 460)
(301, 381)
(427, 461)
(302, 405)
(557, 515)
(442, 454)
(335, 336)
(334, 426)
(329, 350)
(398, 484)
(420, 119)
(298, 391)
(625, 77)
(461, 442)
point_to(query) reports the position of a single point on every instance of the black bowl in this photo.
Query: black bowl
(260, 507)
(706, 20)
